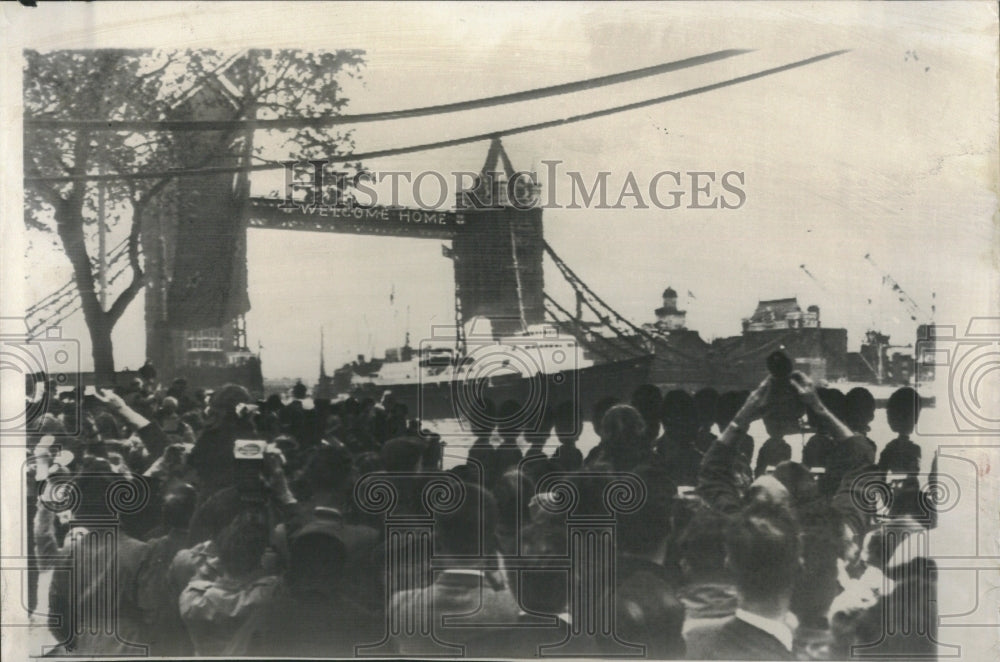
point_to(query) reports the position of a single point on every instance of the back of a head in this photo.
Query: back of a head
(903, 410)
(763, 551)
(679, 414)
(508, 418)
(545, 587)
(178, 506)
(702, 542)
(107, 426)
(823, 543)
(860, 405)
(512, 492)
(223, 403)
(242, 543)
(622, 426)
(402, 454)
(299, 391)
(798, 480)
(469, 529)
(599, 409)
(565, 420)
(706, 401)
(646, 399)
(93, 479)
(484, 420)
(330, 466)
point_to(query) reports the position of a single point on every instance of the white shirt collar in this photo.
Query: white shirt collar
(564, 617)
(463, 571)
(777, 629)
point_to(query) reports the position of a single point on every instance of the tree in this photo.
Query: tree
(150, 85)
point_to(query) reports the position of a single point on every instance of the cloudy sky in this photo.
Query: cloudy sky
(888, 149)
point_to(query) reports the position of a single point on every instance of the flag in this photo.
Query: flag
(691, 294)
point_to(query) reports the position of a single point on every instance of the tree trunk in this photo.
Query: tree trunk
(102, 350)
(69, 221)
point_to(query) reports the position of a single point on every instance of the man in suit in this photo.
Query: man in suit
(763, 553)
(463, 604)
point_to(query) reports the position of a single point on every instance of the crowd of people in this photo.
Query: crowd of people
(249, 537)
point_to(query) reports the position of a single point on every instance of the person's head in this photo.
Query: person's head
(798, 480)
(222, 406)
(178, 506)
(168, 407)
(728, 405)
(330, 468)
(512, 493)
(177, 387)
(763, 553)
(484, 420)
(679, 415)
(565, 422)
(623, 427)
(194, 420)
(644, 531)
(107, 426)
(316, 558)
(508, 422)
(545, 587)
(242, 543)
(766, 490)
(403, 454)
(825, 539)
(860, 404)
(469, 529)
(93, 479)
(299, 391)
(701, 545)
(706, 401)
(598, 411)
(903, 410)
(835, 401)
(647, 399)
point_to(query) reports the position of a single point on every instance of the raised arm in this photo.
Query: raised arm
(807, 393)
(150, 433)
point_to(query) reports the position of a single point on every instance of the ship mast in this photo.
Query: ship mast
(322, 358)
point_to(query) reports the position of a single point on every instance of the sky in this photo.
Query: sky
(889, 149)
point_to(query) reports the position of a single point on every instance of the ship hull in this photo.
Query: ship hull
(462, 399)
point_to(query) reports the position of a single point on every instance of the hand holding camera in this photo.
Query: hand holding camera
(754, 406)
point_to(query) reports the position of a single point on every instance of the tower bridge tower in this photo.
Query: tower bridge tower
(498, 253)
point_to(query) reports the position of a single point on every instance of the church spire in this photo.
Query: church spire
(322, 360)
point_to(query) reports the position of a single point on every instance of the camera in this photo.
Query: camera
(249, 470)
(536, 369)
(782, 399)
(41, 361)
(966, 373)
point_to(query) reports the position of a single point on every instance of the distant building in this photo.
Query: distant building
(668, 318)
(781, 314)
